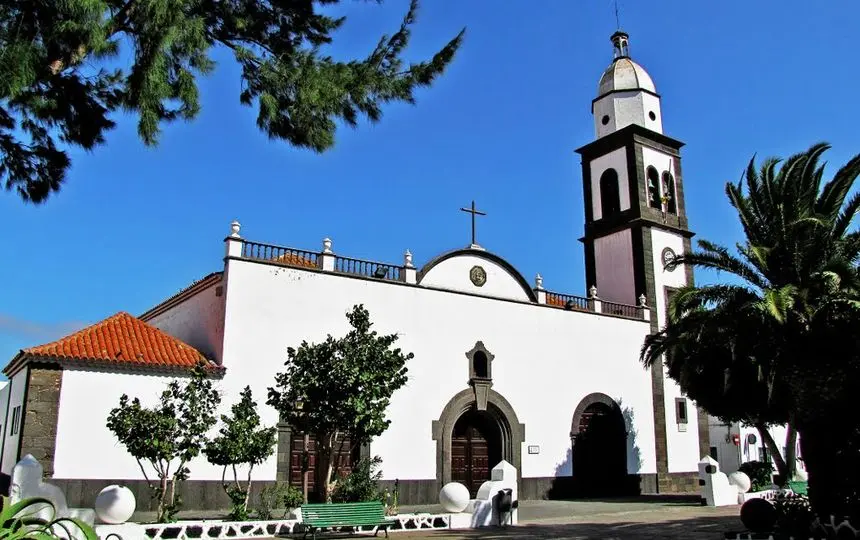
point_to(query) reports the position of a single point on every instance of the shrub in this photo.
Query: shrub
(278, 495)
(794, 516)
(361, 484)
(760, 473)
(27, 519)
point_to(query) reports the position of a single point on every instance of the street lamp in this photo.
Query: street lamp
(305, 450)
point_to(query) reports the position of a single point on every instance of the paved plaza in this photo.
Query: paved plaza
(647, 519)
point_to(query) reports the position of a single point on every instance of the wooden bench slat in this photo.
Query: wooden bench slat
(322, 516)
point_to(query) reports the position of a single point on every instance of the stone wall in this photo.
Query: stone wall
(41, 408)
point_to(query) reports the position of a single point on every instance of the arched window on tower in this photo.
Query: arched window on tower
(610, 202)
(669, 192)
(653, 178)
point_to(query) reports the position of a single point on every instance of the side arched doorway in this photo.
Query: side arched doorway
(471, 441)
(599, 456)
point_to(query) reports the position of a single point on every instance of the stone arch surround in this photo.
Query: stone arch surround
(513, 432)
(587, 401)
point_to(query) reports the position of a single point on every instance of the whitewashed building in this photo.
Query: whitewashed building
(733, 443)
(503, 367)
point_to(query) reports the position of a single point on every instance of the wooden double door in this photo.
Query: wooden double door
(346, 457)
(476, 447)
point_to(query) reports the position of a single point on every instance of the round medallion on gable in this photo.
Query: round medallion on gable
(667, 256)
(478, 276)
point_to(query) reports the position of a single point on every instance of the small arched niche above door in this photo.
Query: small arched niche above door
(480, 373)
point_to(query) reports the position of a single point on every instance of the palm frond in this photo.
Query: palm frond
(833, 195)
(751, 219)
(846, 217)
(716, 257)
(778, 302)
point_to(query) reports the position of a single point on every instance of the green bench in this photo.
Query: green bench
(798, 487)
(319, 517)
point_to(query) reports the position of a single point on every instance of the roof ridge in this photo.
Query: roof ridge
(154, 310)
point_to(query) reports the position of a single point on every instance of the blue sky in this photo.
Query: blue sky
(133, 224)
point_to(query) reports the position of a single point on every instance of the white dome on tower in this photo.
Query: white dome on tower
(625, 74)
(626, 94)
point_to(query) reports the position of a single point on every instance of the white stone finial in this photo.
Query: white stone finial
(234, 229)
(407, 259)
(327, 245)
(643, 301)
(592, 291)
(538, 282)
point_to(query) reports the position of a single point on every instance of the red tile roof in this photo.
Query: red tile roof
(118, 341)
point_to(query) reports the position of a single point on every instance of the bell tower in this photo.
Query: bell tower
(635, 219)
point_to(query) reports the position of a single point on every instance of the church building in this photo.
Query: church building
(504, 367)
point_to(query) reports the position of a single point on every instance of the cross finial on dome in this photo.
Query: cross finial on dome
(620, 41)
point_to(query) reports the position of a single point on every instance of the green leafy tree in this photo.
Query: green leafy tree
(241, 441)
(796, 292)
(339, 389)
(57, 89)
(169, 435)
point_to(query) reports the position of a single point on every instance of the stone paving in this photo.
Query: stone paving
(647, 519)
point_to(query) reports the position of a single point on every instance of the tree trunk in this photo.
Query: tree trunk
(790, 452)
(773, 449)
(323, 467)
(172, 499)
(160, 511)
(330, 458)
(248, 488)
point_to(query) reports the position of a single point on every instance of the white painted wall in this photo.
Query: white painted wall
(683, 446)
(85, 448)
(16, 389)
(616, 159)
(4, 405)
(453, 274)
(198, 321)
(626, 108)
(546, 359)
(613, 259)
(731, 456)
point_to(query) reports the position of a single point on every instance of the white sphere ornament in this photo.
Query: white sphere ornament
(741, 481)
(115, 504)
(454, 497)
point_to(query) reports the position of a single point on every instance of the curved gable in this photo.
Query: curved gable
(452, 271)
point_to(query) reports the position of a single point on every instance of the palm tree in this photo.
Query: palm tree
(798, 281)
(719, 356)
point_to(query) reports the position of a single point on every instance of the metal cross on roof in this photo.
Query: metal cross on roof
(474, 213)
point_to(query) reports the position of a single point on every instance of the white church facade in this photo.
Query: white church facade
(503, 367)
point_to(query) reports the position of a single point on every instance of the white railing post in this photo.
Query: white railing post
(540, 292)
(410, 274)
(234, 242)
(327, 256)
(643, 305)
(596, 304)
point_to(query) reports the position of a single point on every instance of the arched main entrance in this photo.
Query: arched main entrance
(599, 439)
(476, 447)
(471, 441)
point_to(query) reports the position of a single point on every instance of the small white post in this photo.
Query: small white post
(597, 305)
(327, 256)
(540, 292)
(410, 274)
(234, 241)
(643, 305)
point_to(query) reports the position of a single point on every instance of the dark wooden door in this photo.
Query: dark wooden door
(344, 460)
(474, 451)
